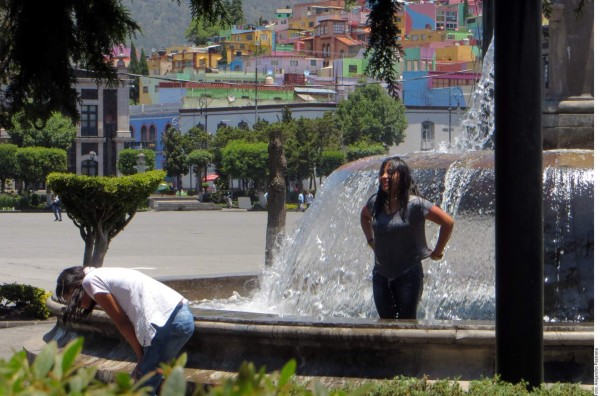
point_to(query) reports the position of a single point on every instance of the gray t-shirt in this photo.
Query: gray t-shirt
(400, 244)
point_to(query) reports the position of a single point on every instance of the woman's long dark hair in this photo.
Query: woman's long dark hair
(406, 188)
(69, 281)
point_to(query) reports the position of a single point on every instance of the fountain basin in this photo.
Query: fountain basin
(333, 348)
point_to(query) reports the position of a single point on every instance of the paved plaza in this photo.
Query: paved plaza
(34, 249)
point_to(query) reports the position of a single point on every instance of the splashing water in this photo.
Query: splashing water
(324, 269)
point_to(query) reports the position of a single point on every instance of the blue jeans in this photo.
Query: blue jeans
(167, 343)
(398, 298)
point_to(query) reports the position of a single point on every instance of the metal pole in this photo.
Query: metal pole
(488, 25)
(519, 191)
(450, 117)
(256, 82)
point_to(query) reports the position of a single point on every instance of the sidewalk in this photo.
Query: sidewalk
(34, 250)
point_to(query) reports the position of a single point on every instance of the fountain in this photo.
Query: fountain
(315, 303)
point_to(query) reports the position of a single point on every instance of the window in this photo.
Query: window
(352, 69)
(145, 89)
(89, 120)
(293, 63)
(91, 94)
(313, 62)
(143, 134)
(152, 138)
(338, 28)
(274, 62)
(427, 135)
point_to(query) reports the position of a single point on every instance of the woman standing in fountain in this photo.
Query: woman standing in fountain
(393, 221)
(154, 319)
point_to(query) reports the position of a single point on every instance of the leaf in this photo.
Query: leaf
(286, 373)
(70, 353)
(175, 384)
(44, 361)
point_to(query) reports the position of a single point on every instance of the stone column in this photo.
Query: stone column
(569, 104)
(123, 134)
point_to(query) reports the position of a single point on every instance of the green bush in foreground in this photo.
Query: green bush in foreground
(57, 373)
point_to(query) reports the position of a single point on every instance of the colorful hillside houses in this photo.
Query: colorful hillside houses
(309, 58)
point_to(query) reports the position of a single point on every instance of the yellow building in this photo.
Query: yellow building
(249, 43)
(457, 53)
(196, 58)
(424, 37)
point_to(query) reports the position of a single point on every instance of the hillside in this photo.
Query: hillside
(163, 22)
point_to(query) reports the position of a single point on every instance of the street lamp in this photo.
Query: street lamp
(93, 164)
(450, 116)
(141, 163)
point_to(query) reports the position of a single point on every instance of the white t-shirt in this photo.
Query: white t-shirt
(145, 300)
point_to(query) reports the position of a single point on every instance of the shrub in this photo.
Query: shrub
(9, 201)
(28, 300)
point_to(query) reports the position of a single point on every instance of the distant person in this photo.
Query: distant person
(393, 221)
(57, 208)
(300, 202)
(154, 319)
(309, 199)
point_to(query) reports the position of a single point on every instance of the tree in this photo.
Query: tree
(363, 150)
(59, 132)
(134, 68)
(200, 158)
(329, 161)
(83, 35)
(8, 163)
(176, 163)
(200, 31)
(127, 162)
(143, 65)
(236, 13)
(101, 207)
(277, 193)
(36, 163)
(246, 161)
(371, 115)
(383, 49)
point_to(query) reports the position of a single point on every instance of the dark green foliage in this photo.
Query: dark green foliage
(83, 35)
(8, 201)
(101, 207)
(8, 163)
(59, 132)
(329, 161)
(363, 150)
(383, 51)
(35, 163)
(370, 115)
(246, 160)
(175, 156)
(25, 301)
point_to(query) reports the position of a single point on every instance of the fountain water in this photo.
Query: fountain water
(323, 270)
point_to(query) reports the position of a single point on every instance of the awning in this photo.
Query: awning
(314, 91)
(307, 98)
(211, 178)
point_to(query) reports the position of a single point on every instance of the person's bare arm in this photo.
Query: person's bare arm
(118, 316)
(446, 223)
(365, 223)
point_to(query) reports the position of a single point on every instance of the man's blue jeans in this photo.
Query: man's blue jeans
(167, 343)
